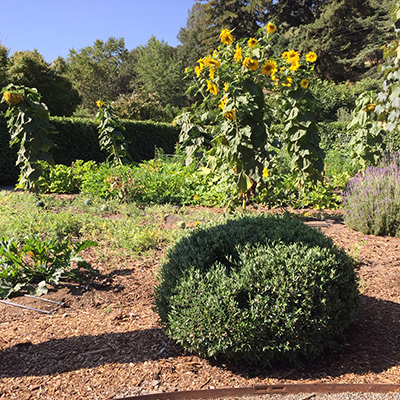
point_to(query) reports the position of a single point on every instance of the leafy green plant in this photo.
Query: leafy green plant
(233, 125)
(63, 179)
(367, 140)
(256, 288)
(371, 202)
(30, 264)
(30, 127)
(111, 137)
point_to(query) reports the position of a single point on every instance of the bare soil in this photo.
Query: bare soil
(106, 342)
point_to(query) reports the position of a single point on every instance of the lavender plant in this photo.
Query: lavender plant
(372, 200)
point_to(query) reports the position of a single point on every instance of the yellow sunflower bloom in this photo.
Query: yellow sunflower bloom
(198, 69)
(295, 65)
(250, 63)
(304, 83)
(265, 172)
(252, 42)
(212, 72)
(291, 56)
(230, 115)
(212, 88)
(13, 98)
(223, 102)
(226, 37)
(269, 68)
(99, 103)
(238, 54)
(271, 28)
(311, 57)
(289, 81)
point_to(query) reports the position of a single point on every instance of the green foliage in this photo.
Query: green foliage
(367, 140)
(335, 98)
(93, 70)
(63, 179)
(29, 265)
(372, 200)
(29, 127)
(347, 35)
(77, 139)
(157, 181)
(387, 109)
(259, 289)
(142, 106)
(28, 68)
(240, 136)
(159, 71)
(283, 190)
(111, 136)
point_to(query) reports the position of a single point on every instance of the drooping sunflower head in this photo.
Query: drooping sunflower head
(226, 37)
(13, 98)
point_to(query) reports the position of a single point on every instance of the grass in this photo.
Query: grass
(125, 227)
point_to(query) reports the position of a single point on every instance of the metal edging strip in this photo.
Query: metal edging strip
(269, 389)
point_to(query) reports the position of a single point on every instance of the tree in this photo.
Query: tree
(3, 65)
(290, 13)
(205, 22)
(347, 35)
(159, 71)
(28, 68)
(94, 70)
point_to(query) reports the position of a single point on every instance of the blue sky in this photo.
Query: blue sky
(53, 27)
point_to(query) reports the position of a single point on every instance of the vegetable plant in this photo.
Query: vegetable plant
(28, 265)
(29, 126)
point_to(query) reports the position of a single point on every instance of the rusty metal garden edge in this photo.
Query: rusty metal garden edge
(269, 389)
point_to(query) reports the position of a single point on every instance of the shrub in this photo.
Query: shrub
(257, 289)
(372, 201)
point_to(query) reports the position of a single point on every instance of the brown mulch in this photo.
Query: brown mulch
(105, 341)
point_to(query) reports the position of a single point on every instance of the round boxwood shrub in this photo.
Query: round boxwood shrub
(258, 289)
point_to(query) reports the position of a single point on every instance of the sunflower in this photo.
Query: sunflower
(230, 115)
(212, 88)
(250, 63)
(265, 172)
(269, 68)
(311, 57)
(252, 42)
(271, 28)
(226, 37)
(291, 56)
(304, 83)
(289, 81)
(238, 53)
(99, 103)
(13, 98)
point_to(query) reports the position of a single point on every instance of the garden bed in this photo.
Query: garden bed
(106, 342)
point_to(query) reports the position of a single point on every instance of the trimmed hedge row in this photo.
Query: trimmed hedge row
(77, 139)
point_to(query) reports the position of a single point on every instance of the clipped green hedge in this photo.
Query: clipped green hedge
(258, 289)
(77, 139)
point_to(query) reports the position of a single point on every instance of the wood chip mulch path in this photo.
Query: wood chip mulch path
(106, 342)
